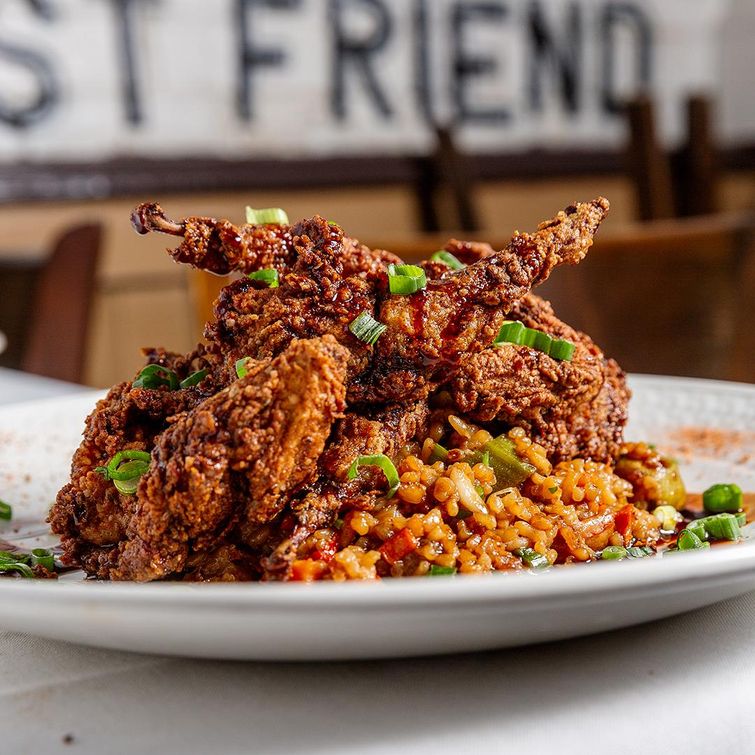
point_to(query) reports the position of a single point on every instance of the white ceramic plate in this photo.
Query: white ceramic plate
(707, 425)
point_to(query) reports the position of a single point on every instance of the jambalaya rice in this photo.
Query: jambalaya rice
(446, 516)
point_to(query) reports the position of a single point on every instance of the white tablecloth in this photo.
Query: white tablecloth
(682, 685)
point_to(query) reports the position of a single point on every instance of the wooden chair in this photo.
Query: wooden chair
(45, 307)
(669, 297)
(683, 183)
(445, 187)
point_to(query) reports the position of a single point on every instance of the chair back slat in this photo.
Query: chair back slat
(61, 304)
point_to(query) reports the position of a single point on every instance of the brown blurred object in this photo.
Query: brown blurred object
(204, 289)
(698, 164)
(445, 187)
(672, 297)
(684, 183)
(649, 166)
(46, 303)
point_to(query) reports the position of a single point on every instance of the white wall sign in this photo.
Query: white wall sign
(102, 78)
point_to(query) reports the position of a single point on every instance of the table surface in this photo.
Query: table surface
(682, 685)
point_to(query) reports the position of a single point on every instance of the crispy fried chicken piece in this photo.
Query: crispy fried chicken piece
(428, 331)
(385, 431)
(89, 513)
(573, 408)
(314, 298)
(236, 458)
(221, 247)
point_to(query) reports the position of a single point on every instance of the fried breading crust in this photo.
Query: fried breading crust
(245, 469)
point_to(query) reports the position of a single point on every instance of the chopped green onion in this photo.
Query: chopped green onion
(156, 375)
(440, 571)
(689, 541)
(129, 475)
(438, 454)
(667, 517)
(6, 511)
(741, 518)
(377, 460)
(406, 279)
(486, 458)
(532, 558)
(512, 331)
(366, 328)
(447, 259)
(721, 526)
(338, 524)
(241, 365)
(18, 566)
(541, 341)
(125, 469)
(269, 276)
(698, 528)
(267, 216)
(560, 349)
(613, 553)
(43, 557)
(724, 526)
(722, 498)
(194, 379)
(639, 551)
(509, 469)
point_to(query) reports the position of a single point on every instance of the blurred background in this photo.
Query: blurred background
(407, 121)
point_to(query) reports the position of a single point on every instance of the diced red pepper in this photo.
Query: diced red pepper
(624, 518)
(400, 545)
(307, 570)
(326, 550)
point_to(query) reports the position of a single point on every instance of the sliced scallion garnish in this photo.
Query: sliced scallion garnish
(562, 350)
(667, 516)
(509, 469)
(266, 216)
(43, 557)
(689, 541)
(6, 511)
(724, 526)
(125, 469)
(439, 453)
(268, 276)
(241, 367)
(17, 566)
(513, 331)
(406, 279)
(377, 460)
(447, 259)
(613, 553)
(154, 376)
(366, 328)
(541, 341)
(722, 498)
(194, 379)
(532, 558)
(441, 571)
(639, 551)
